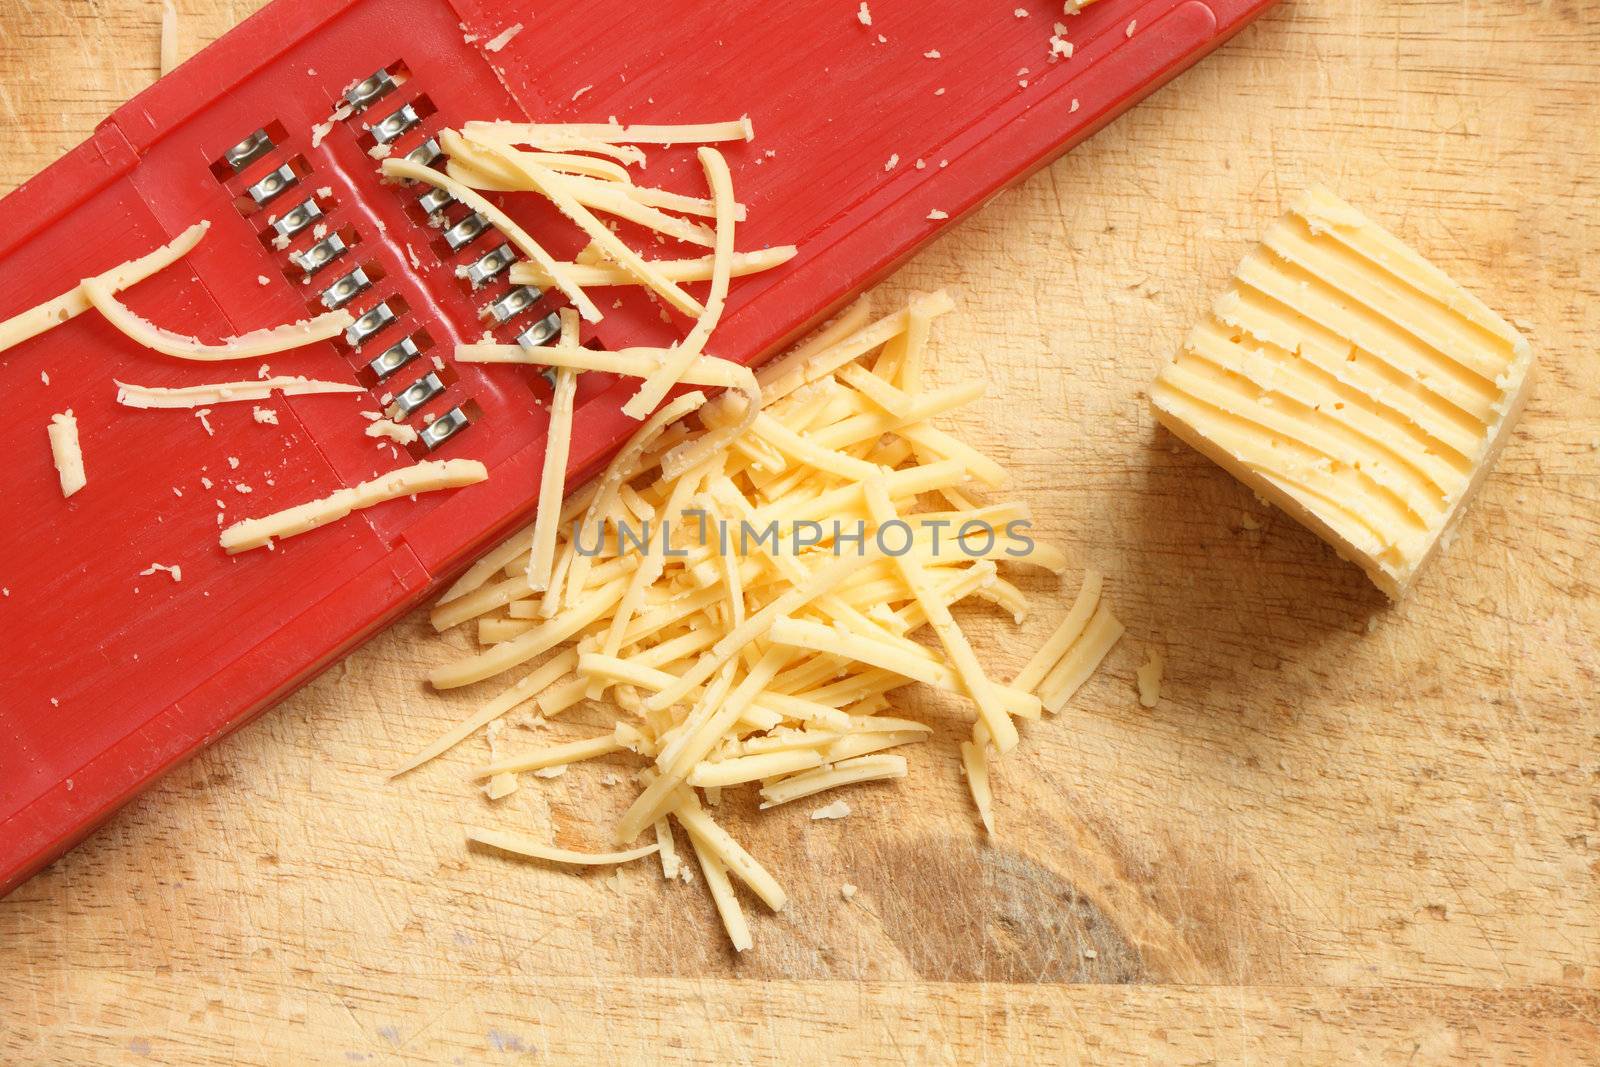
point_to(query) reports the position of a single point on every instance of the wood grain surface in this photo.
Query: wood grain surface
(1347, 832)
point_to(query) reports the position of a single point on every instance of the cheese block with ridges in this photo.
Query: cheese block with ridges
(1352, 383)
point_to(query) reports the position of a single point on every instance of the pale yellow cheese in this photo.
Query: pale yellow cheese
(655, 388)
(427, 476)
(555, 134)
(68, 305)
(957, 648)
(557, 450)
(722, 895)
(285, 338)
(744, 866)
(552, 756)
(194, 396)
(1077, 665)
(873, 768)
(169, 37)
(603, 195)
(1065, 634)
(554, 187)
(975, 764)
(751, 768)
(1347, 380)
(67, 453)
(731, 666)
(524, 242)
(591, 275)
(527, 689)
(1148, 677)
(611, 481)
(670, 863)
(527, 846)
(398, 432)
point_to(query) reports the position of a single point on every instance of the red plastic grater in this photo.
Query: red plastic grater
(110, 676)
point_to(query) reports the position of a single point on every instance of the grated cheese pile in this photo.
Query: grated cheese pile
(779, 664)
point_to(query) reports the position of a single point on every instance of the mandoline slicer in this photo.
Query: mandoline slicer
(111, 673)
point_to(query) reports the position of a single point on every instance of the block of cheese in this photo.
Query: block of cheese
(1347, 380)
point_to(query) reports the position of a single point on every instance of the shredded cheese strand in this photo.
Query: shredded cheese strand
(678, 270)
(557, 449)
(554, 188)
(527, 846)
(655, 388)
(425, 477)
(740, 129)
(193, 396)
(267, 342)
(405, 168)
(69, 305)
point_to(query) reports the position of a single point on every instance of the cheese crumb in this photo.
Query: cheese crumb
(503, 38)
(233, 463)
(398, 432)
(936, 214)
(66, 452)
(837, 810)
(847, 891)
(201, 414)
(932, 53)
(169, 37)
(580, 92)
(175, 571)
(44, 377)
(1074, 106)
(893, 162)
(1149, 677)
(863, 14)
(1249, 521)
(1020, 12)
(265, 416)
(1133, 24)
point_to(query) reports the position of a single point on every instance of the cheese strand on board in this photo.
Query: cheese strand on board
(527, 846)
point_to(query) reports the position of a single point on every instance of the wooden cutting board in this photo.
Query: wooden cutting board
(1347, 831)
